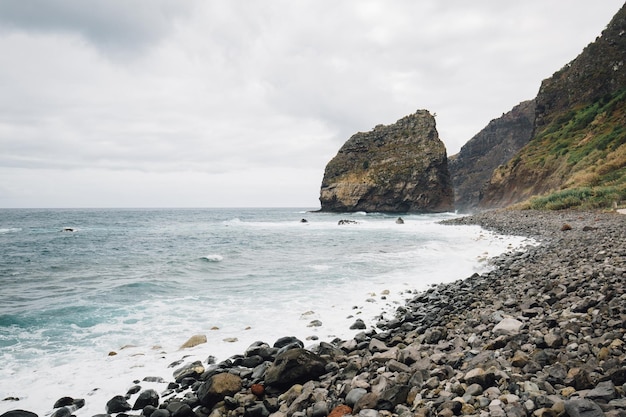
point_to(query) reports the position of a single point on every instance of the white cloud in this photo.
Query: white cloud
(251, 98)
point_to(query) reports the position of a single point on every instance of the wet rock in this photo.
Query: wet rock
(147, 397)
(193, 341)
(117, 404)
(295, 366)
(193, 370)
(358, 324)
(18, 413)
(179, 409)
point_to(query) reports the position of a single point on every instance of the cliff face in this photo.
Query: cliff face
(398, 168)
(473, 166)
(579, 137)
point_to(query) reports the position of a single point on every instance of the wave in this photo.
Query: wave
(213, 258)
(10, 230)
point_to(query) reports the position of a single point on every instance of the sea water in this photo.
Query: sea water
(94, 300)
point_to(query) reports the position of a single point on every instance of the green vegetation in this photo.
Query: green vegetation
(583, 198)
(585, 150)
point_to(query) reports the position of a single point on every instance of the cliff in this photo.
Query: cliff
(578, 146)
(397, 168)
(493, 146)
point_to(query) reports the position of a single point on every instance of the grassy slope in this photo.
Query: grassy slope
(583, 151)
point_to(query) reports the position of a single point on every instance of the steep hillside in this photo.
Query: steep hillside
(497, 143)
(396, 169)
(578, 149)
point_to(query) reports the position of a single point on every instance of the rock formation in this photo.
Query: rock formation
(579, 137)
(395, 169)
(493, 146)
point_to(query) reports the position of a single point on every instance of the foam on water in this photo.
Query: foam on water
(264, 279)
(213, 258)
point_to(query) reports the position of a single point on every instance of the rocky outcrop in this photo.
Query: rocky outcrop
(493, 146)
(598, 71)
(578, 139)
(396, 169)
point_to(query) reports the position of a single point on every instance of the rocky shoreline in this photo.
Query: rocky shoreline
(543, 334)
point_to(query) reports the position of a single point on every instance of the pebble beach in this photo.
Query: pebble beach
(542, 334)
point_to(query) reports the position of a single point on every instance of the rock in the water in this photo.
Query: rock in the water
(117, 404)
(295, 366)
(358, 325)
(194, 370)
(288, 341)
(147, 397)
(62, 412)
(19, 413)
(194, 340)
(398, 168)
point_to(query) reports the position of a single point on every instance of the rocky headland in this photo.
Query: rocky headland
(398, 168)
(578, 137)
(542, 335)
(493, 146)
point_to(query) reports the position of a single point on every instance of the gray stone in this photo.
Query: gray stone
(583, 408)
(604, 391)
(368, 412)
(355, 395)
(507, 327)
(474, 389)
(319, 409)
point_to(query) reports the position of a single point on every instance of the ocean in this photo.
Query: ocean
(93, 300)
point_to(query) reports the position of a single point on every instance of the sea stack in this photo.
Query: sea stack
(399, 168)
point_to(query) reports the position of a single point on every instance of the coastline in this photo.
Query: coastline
(541, 334)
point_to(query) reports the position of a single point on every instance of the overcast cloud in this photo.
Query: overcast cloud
(169, 103)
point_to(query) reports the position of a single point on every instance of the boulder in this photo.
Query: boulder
(217, 387)
(147, 397)
(117, 404)
(294, 366)
(19, 413)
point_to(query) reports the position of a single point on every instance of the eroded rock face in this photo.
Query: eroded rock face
(398, 168)
(493, 146)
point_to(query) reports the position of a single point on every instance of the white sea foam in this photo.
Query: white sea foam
(213, 258)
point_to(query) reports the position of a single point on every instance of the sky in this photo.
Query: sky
(242, 103)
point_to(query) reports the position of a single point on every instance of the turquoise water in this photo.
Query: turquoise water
(153, 277)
